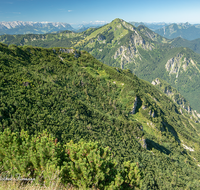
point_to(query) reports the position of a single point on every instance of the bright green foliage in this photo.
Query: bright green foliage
(89, 165)
(133, 175)
(74, 96)
(84, 165)
(29, 157)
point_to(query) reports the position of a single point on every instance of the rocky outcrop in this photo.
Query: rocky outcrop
(155, 82)
(130, 53)
(127, 55)
(178, 62)
(173, 65)
(134, 106)
(76, 54)
(144, 107)
(101, 37)
(176, 97)
(152, 113)
(142, 142)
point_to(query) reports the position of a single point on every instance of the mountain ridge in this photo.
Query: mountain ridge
(120, 44)
(184, 30)
(21, 27)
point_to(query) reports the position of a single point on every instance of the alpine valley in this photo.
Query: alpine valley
(79, 109)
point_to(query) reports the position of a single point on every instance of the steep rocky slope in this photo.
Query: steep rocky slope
(176, 97)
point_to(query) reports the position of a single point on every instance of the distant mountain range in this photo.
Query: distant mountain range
(171, 31)
(20, 27)
(183, 30)
(152, 26)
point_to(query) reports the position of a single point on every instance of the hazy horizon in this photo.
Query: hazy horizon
(80, 12)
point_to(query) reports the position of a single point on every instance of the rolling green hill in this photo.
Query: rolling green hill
(120, 44)
(74, 96)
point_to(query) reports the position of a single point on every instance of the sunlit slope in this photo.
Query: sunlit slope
(74, 96)
(120, 44)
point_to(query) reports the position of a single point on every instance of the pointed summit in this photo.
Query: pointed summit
(117, 20)
(123, 23)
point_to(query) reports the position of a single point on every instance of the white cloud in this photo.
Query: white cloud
(97, 21)
(69, 11)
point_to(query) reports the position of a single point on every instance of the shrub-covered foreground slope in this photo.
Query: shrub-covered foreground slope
(74, 96)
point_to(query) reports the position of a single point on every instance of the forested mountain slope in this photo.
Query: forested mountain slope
(74, 96)
(120, 44)
(175, 96)
(193, 44)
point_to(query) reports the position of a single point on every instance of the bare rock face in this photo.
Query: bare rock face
(130, 52)
(127, 55)
(155, 82)
(142, 142)
(177, 63)
(134, 106)
(101, 37)
(176, 97)
(144, 107)
(76, 54)
(141, 127)
(152, 114)
(173, 65)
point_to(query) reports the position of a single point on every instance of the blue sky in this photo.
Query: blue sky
(85, 11)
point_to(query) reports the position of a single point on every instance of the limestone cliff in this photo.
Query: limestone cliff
(129, 52)
(179, 63)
